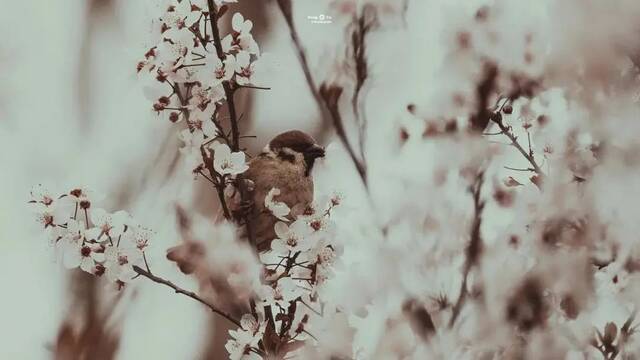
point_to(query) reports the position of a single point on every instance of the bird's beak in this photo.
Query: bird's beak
(316, 151)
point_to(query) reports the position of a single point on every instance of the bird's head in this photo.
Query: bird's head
(296, 145)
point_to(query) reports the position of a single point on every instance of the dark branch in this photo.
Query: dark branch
(187, 293)
(233, 117)
(474, 249)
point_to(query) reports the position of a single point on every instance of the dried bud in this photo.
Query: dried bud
(482, 14)
(543, 120)
(411, 108)
(496, 117)
(507, 109)
(511, 182)
(404, 135)
(158, 107)
(610, 334)
(503, 198)
(536, 180)
(451, 126)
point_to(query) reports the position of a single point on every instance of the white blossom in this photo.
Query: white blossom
(277, 208)
(226, 162)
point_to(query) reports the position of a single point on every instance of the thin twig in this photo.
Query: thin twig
(187, 293)
(252, 87)
(517, 169)
(514, 141)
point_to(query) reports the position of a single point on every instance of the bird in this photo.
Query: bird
(286, 163)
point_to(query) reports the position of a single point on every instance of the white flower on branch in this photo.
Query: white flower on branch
(70, 244)
(246, 338)
(245, 68)
(223, 71)
(279, 294)
(240, 38)
(277, 208)
(41, 195)
(119, 262)
(226, 162)
(51, 216)
(291, 238)
(240, 344)
(106, 224)
(180, 14)
(141, 236)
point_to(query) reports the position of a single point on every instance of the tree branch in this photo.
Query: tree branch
(474, 248)
(245, 195)
(187, 293)
(514, 141)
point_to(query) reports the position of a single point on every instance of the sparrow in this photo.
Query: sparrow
(286, 164)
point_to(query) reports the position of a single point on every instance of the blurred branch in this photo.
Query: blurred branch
(363, 24)
(187, 293)
(474, 248)
(325, 95)
(331, 95)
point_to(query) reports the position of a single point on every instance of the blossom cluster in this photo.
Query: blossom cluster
(296, 269)
(96, 241)
(191, 69)
(286, 299)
